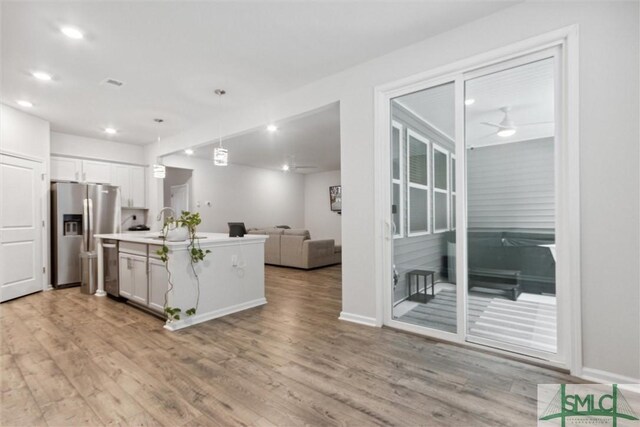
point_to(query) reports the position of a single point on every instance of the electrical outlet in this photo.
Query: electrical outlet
(234, 260)
(198, 204)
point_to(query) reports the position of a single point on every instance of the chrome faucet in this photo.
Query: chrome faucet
(167, 208)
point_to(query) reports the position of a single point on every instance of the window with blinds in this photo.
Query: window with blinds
(397, 210)
(441, 196)
(417, 183)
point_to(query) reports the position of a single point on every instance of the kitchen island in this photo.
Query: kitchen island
(231, 277)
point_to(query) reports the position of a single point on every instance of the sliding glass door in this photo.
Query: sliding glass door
(478, 151)
(423, 185)
(511, 206)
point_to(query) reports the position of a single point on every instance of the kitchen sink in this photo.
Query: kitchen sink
(160, 237)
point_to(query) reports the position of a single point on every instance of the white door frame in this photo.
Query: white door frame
(567, 193)
(186, 186)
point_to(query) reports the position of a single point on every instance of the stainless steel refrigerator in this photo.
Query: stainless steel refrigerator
(79, 211)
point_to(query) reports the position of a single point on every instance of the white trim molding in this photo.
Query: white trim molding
(22, 156)
(356, 318)
(189, 321)
(565, 41)
(604, 377)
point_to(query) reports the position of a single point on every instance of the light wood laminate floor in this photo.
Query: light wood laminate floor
(72, 359)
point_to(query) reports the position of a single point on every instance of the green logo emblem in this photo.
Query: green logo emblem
(585, 405)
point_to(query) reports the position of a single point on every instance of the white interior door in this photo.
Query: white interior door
(20, 227)
(180, 198)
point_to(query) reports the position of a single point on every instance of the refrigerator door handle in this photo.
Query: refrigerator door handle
(81, 272)
(85, 224)
(90, 208)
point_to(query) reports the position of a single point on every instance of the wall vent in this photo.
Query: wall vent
(112, 82)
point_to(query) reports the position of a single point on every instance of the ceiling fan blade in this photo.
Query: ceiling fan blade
(492, 124)
(536, 123)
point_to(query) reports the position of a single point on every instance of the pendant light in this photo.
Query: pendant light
(159, 170)
(220, 154)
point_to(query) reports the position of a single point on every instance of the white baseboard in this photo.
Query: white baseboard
(356, 318)
(604, 377)
(199, 318)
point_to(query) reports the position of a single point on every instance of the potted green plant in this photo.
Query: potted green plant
(172, 230)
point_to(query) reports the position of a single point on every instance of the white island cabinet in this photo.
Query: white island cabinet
(230, 279)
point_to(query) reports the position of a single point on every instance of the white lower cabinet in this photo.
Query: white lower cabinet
(158, 283)
(133, 278)
(143, 280)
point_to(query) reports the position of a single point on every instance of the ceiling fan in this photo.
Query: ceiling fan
(507, 127)
(291, 166)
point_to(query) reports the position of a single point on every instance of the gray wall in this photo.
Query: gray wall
(258, 197)
(177, 176)
(511, 186)
(420, 252)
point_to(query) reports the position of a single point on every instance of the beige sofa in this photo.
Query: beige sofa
(294, 248)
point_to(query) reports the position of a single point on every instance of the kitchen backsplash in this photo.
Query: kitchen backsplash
(127, 218)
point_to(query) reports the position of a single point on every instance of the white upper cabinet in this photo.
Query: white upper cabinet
(99, 172)
(131, 180)
(137, 187)
(69, 169)
(66, 169)
(121, 177)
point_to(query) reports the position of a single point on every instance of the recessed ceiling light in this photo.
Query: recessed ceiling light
(469, 101)
(40, 75)
(24, 103)
(285, 168)
(72, 33)
(506, 132)
(188, 151)
(110, 131)
(272, 128)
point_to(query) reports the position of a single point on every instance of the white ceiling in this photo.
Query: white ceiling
(310, 139)
(527, 89)
(435, 105)
(173, 55)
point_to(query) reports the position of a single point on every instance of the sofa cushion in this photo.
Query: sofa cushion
(266, 231)
(272, 245)
(318, 253)
(298, 232)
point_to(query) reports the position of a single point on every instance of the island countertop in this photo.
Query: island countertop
(204, 239)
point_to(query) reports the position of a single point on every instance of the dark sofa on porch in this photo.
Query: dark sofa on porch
(513, 261)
